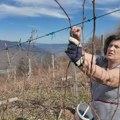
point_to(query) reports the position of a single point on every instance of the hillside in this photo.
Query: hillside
(36, 52)
(15, 53)
(54, 48)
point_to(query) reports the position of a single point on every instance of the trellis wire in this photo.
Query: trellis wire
(51, 33)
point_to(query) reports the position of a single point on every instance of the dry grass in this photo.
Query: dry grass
(42, 97)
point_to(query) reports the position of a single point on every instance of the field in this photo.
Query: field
(45, 94)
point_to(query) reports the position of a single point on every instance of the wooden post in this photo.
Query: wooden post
(75, 85)
(9, 62)
(29, 59)
(30, 69)
(102, 44)
(53, 65)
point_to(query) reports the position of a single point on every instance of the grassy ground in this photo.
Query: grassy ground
(43, 97)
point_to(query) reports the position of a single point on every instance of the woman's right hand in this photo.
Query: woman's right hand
(75, 32)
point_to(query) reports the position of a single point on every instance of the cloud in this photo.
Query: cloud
(39, 8)
(115, 14)
(48, 2)
(8, 10)
(105, 2)
(33, 2)
(106, 6)
(36, 8)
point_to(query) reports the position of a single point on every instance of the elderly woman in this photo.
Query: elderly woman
(105, 72)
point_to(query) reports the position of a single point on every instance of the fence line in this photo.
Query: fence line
(51, 33)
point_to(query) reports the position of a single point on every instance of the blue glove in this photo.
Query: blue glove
(74, 52)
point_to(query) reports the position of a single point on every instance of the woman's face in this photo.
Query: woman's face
(113, 51)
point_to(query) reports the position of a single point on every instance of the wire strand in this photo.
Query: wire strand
(88, 20)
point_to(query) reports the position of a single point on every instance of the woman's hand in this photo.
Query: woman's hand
(75, 32)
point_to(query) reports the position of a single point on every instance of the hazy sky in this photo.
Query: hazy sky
(19, 17)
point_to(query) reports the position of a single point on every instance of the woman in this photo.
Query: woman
(105, 72)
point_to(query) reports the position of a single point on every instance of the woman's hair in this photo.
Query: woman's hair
(108, 41)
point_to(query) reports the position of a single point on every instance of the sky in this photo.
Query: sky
(18, 18)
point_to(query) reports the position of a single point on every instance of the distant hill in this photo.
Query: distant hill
(16, 53)
(36, 52)
(54, 48)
